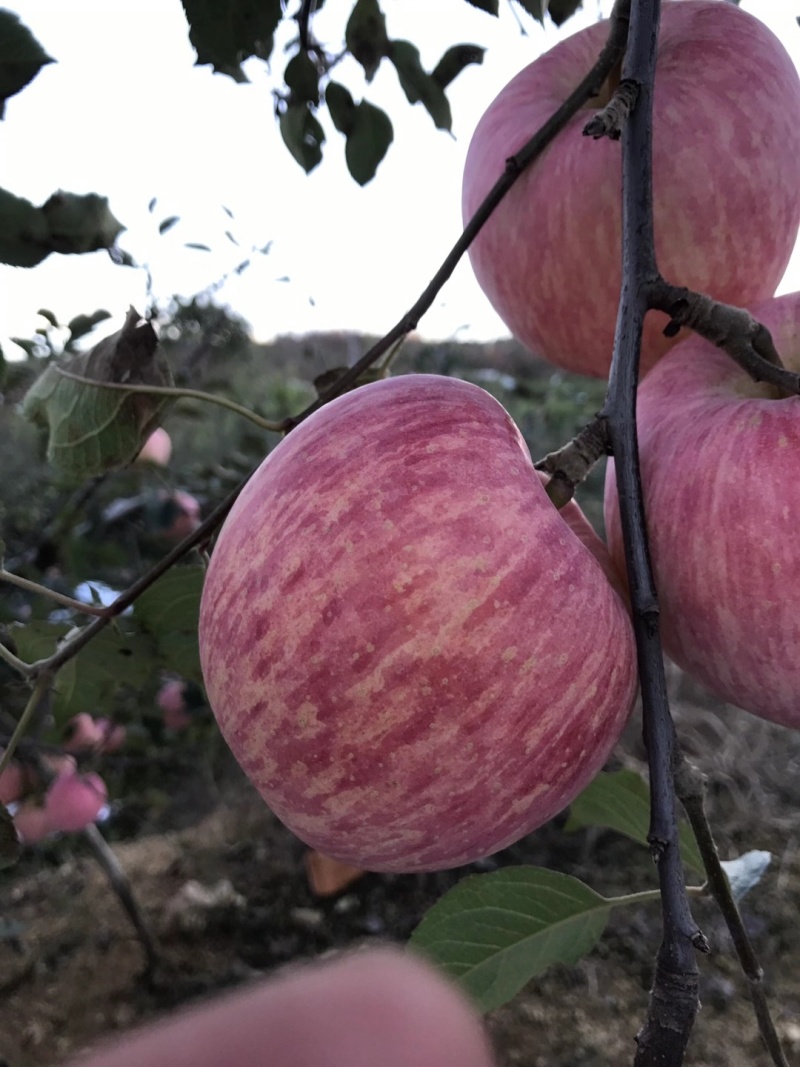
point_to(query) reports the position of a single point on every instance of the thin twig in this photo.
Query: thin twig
(38, 694)
(690, 787)
(51, 594)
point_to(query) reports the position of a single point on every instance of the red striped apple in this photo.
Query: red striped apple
(726, 162)
(411, 654)
(719, 455)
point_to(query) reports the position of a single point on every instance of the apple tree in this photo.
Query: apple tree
(412, 639)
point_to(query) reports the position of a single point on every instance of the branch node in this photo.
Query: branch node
(609, 121)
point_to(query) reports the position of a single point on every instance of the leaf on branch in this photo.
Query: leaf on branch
(170, 611)
(492, 6)
(365, 36)
(302, 77)
(341, 106)
(21, 57)
(93, 430)
(226, 34)
(166, 225)
(418, 85)
(67, 223)
(454, 61)
(368, 141)
(494, 932)
(620, 801)
(302, 135)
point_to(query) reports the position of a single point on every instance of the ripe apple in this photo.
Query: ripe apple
(719, 462)
(31, 822)
(411, 654)
(726, 175)
(171, 699)
(12, 782)
(87, 734)
(73, 800)
(157, 449)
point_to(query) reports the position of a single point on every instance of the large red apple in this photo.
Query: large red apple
(719, 455)
(411, 654)
(726, 161)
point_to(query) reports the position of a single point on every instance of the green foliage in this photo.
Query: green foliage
(21, 57)
(66, 223)
(494, 932)
(225, 33)
(365, 36)
(621, 802)
(302, 134)
(367, 142)
(419, 86)
(169, 611)
(92, 430)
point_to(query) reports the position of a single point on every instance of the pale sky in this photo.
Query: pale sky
(126, 114)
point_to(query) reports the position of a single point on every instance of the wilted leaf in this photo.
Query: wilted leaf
(621, 801)
(302, 77)
(170, 610)
(365, 36)
(486, 5)
(368, 141)
(226, 34)
(302, 135)
(454, 61)
(21, 57)
(341, 106)
(494, 932)
(92, 430)
(746, 871)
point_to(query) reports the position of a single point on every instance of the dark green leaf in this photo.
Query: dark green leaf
(83, 324)
(341, 106)
(621, 801)
(302, 135)
(560, 10)
(48, 315)
(226, 34)
(167, 224)
(170, 610)
(537, 8)
(368, 141)
(491, 6)
(196, 246)
(454, 61)
(365, 35)
(21, 56)
(302, 77)
(417, 85)
(494, 932)
(10, 847)
(152, 205)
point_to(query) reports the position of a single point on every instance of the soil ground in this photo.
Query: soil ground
(71, 966)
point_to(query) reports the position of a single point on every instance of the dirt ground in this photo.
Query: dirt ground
(226, 893)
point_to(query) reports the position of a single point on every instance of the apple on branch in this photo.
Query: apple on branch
(411, 653)
(726, 183)
(719, 456)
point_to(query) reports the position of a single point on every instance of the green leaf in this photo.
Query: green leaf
(365, 36)
(170, 611)
(78, 224)
(560, 10)
(21, 57)
(368, 142)
(80, 325)
(454, 61)
(93, 430)
(49, 316)
(197, 247)
(492, 6)
(226, 34)
(341, 106)
(166, 225)
(621, 801)
(537, 8)
(494, 932)
(302, 135)
(417, 85)
(302, 77)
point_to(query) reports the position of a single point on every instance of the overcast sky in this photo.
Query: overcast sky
(125, 113)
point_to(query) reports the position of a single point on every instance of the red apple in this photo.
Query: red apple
(86, 734)
(726, 162)
(719, 463)
(409, 651)
(171, 699)
(31, 823)
(74, 800)
(157, 449)
(12, 782)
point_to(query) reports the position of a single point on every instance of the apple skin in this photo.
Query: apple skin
(73, 801)
(171, 700)
(726, 177)
(412, 656)
(719, 460)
